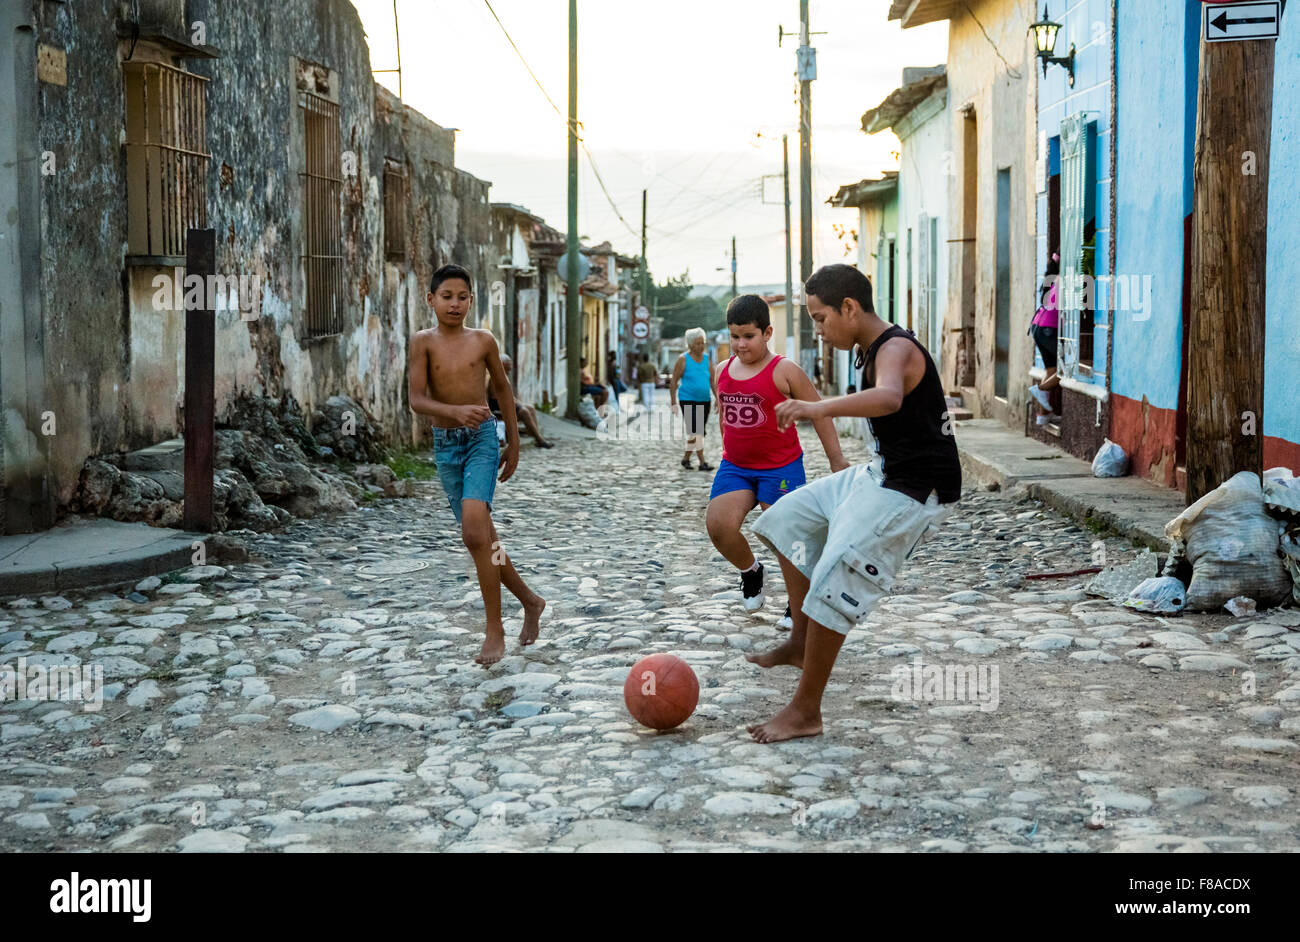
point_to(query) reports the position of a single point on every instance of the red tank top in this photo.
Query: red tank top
(749, 435)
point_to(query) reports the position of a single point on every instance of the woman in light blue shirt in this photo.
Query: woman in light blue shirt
(692, 385)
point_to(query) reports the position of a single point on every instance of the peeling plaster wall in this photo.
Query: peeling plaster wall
(114, 360)
(83, 227)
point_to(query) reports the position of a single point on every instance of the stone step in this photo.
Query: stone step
(164, 456)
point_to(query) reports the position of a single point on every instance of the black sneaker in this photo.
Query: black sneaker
(787, 622)
(751, 589)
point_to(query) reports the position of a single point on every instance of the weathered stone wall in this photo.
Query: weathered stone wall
(113, 359)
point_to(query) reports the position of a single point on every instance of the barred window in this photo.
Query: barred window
(394, 210)
(322, 191)
(166, 164)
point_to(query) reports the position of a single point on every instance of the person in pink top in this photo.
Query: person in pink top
(760, 462)
(1044, 331)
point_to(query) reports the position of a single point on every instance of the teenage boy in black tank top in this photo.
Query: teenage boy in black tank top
(842, 539)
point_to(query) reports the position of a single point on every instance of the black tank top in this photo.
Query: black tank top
(919, 457)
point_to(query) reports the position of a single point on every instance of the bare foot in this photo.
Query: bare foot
(790, 723)
(784, 653)
(532, 620)
(494, 647)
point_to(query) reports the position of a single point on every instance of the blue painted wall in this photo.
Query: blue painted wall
(1086, 24)
(1157, 139)
(1157, 69)
(1282, 337)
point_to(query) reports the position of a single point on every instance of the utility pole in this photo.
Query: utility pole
(1225, 368)
(645, 264)
(573, 305)
(807, 60)
(789, 276)
(734, 291)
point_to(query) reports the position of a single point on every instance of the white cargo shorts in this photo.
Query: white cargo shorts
(849, 535)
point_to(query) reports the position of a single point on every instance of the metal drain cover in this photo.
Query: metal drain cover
(393, 567)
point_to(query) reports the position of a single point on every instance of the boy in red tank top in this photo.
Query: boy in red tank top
(760, 462)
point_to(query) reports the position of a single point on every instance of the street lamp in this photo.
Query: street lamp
(1045, 32)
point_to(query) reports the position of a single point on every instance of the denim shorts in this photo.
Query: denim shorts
(769, 485)
(467, 459)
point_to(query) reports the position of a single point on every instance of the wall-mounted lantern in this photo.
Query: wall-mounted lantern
(1045, 32)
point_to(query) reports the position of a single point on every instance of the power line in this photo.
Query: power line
(576, 126)
(594, 169)
(711, 212)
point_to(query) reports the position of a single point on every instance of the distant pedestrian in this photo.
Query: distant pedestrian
(1044, 330)
(646, 374)
(692, 384)
(589, 387)
(615, 377)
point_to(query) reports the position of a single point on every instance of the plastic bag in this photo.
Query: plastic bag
(1159, 594)
(1241, 606)
(1117, 581)
(1111, 461)
(1232, 544)
(1282, 494)
(1291, 559)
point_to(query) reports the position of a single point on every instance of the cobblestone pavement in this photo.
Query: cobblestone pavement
(307, 701)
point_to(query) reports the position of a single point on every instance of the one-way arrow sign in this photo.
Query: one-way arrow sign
(1232, 22)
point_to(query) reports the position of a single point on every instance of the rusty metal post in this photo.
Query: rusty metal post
(200, 348)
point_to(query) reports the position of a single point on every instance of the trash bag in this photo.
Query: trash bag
(1232, 544)
(1159, 595)
(587, 413)
(1111, 461)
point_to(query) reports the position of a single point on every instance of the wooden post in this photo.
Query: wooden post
(200, 346)
(1225, 376)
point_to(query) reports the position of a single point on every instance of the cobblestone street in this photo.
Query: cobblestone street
(319, 698)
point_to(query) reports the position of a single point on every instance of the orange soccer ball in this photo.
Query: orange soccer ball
(661, 691)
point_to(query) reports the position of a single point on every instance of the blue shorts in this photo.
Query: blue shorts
(769, 485)
(467, 459)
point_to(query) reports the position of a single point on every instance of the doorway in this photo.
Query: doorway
(968, 372)
(1002, 292)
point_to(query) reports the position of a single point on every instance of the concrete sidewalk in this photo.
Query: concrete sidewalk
(991, 453)
(90, 553)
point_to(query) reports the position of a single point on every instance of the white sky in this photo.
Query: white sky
(673, 96)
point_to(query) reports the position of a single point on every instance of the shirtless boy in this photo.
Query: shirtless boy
(448, 366)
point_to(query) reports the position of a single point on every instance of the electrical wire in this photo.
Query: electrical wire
(595, 170)
(575, 126)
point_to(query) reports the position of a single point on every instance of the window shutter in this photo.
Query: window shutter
(1074, 179)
